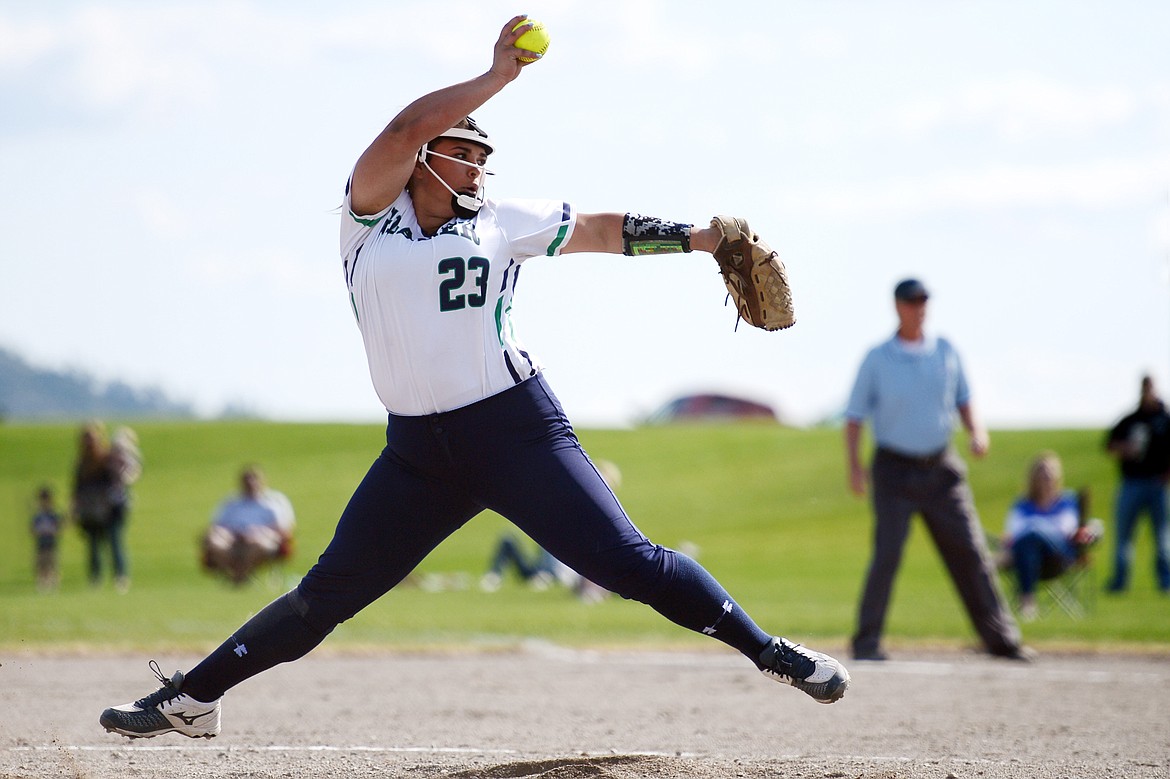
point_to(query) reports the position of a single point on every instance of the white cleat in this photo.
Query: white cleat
(167, 710)
(821, 676)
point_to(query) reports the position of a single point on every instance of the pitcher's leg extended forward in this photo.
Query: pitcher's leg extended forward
(394, 519)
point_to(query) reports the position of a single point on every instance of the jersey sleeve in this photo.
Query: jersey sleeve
(861, 397)
(536, 227)
(1015, 523)
(355, 228)
(962, 388)
(1120, 431)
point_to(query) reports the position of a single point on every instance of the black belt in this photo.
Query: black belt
(917, 460)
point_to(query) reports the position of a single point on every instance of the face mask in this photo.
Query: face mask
(464, 206)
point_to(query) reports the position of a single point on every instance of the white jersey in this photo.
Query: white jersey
(434, 312)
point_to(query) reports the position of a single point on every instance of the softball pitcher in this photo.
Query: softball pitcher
(431, 265)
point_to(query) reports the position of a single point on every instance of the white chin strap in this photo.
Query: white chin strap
(465, 201)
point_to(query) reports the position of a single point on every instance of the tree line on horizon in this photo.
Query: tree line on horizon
(29, 393)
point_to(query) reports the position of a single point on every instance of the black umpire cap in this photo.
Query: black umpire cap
(910, 289)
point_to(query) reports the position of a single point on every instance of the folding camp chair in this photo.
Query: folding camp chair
(1068, 588)
(1073, 589)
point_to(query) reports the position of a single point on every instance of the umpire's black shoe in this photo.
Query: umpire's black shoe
(875, 655)
(1019, 653)
(167, 710)
(819, 675)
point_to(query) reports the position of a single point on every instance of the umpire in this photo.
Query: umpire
(912, 387)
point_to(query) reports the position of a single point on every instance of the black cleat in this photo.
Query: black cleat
(819, 675)
(167, 710)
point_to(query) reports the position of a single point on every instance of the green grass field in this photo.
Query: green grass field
(767, 507)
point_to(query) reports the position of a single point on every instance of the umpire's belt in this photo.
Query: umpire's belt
(916, 460)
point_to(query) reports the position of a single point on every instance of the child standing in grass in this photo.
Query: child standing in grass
(46, 528)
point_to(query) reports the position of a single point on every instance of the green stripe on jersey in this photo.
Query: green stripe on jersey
(556, 244)
(500, 319)
(365, 222)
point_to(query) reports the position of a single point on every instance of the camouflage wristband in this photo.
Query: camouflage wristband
(650, 235)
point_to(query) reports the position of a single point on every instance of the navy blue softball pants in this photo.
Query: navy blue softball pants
(514, 453)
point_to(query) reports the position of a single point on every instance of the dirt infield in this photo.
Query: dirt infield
(541, 711)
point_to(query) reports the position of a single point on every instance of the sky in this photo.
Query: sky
(170, 176)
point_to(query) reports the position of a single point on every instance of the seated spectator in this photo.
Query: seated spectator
(1041, 533)
(539, 572)
(249, 530)
(543, 570)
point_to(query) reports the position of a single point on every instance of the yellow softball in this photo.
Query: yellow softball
(536, 39)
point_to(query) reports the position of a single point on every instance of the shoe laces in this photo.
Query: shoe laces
(790, 660)
(165, 693)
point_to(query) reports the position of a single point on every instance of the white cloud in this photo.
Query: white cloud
(103, 58)
(1023, 108)
(1160, 237)
(823, 43)
(1093, 185)
(271, 270)
(647, 39)
(170, 59)
(23, 43)
(161, 215)
(218, 132)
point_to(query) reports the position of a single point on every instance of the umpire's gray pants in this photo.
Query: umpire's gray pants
(937, 489)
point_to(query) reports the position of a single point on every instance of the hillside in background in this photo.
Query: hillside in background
(31, 393)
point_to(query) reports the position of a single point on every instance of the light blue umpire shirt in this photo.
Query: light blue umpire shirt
(912, 393)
